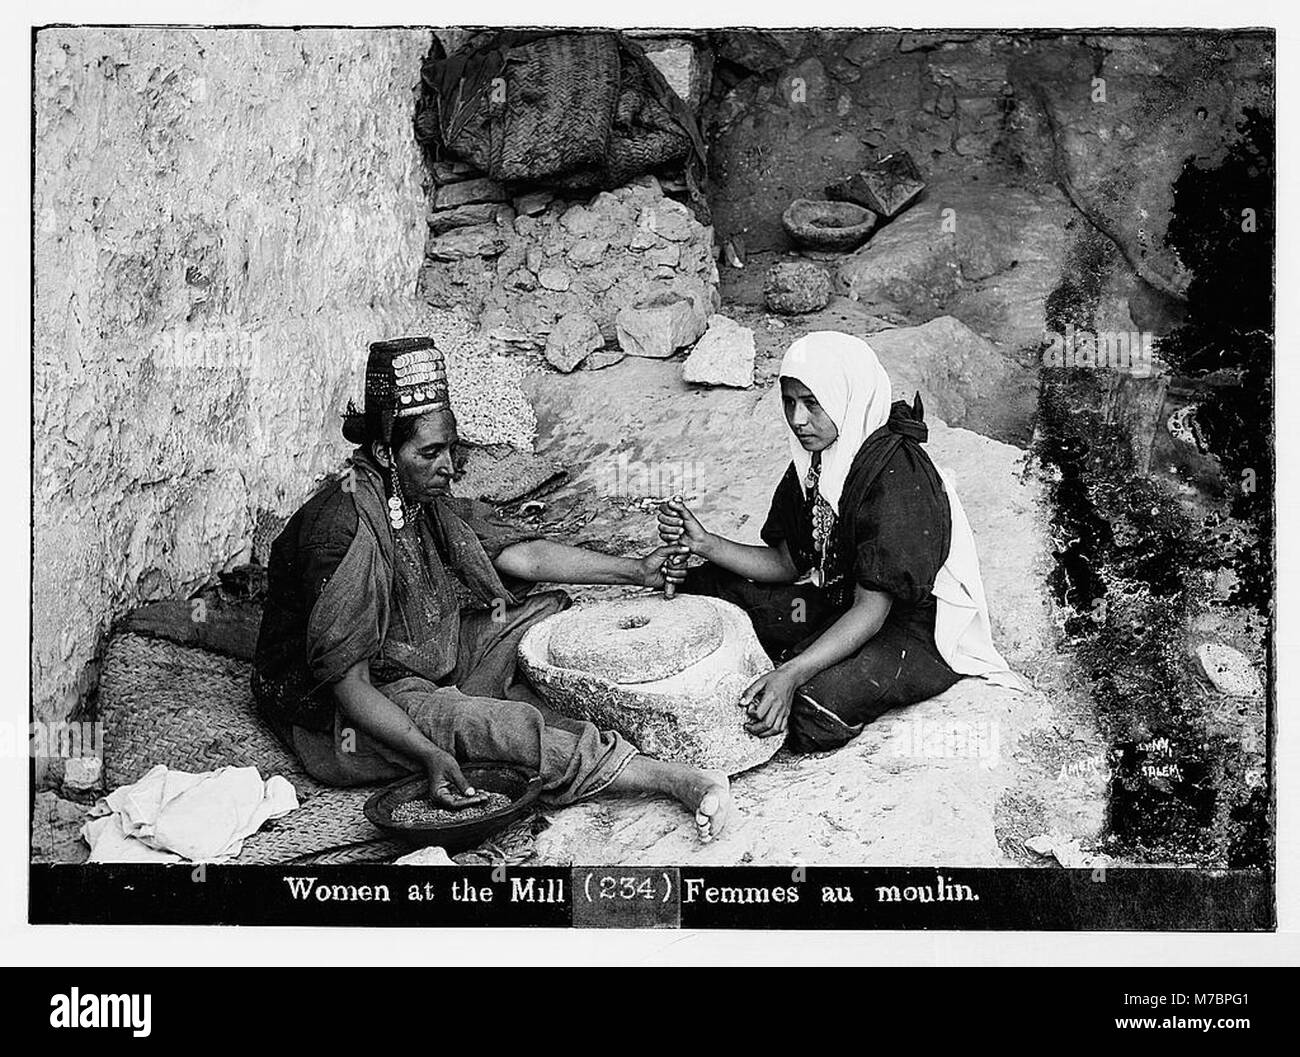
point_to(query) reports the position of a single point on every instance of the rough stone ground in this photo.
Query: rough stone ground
(897, 794)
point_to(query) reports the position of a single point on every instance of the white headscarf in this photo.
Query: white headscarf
(842, 372)
(845, 376)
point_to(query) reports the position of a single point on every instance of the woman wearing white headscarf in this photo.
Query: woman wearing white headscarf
(866, 589)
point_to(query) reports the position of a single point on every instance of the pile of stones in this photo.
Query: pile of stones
(585, 283)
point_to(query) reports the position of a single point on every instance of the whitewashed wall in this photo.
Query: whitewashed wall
(224, 220)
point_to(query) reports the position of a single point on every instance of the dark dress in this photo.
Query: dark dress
(438, 628)
(303, 559)
(892, 536)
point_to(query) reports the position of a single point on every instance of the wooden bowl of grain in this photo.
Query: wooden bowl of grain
(403, 810)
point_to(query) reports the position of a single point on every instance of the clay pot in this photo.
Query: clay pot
(828, 225)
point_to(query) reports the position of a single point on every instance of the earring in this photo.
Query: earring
(396, 507)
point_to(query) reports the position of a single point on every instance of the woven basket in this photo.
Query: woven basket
(562, 91)
(187, 708)
(554, 116)
(645, 135)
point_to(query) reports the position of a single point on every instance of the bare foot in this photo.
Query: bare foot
(705, 793)
(710, 797)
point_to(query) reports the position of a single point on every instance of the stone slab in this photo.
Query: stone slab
(691, 717)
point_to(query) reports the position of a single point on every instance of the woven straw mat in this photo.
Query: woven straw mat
(193, 711)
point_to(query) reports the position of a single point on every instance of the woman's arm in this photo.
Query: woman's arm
(384, 721)
(770, 696)
(757, 562)
(545, 560)
(677, 525)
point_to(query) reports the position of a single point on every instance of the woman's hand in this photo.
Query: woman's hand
(447, 786)
(654, 571)
(678, 525)
(767, 701)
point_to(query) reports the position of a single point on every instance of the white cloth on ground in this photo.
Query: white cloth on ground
(171, 816)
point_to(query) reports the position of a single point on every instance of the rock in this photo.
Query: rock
(432, 855)
(83, 774)
(580, 221)
(56, 829)
(845, 72)
(521, 279)
(587, 252)
(792, 287)
(603, 358)
(670, 220)
(470, 191)
(573, 337)
(1229, 670)
(598, 282)
(912, 262)
(509, 338)
(1070, 854)
(584, 251)
(660, 327)
(704, 651)
(827, 225)
(1067, 851)
(637, 641)
(761, 51)
(502, 474)
(443, 220)
(885, 188)
(723, 356)
(962, 377)
(646, 186)
(733, 252)
(1163, 104)
(479, 240)
(1040, 845)
(644, 239)
(868, 48)
(804, 85)
(665, 256)
(534, 202)
(687, 69)
(450, 172)
(554, 279)
(928, 41)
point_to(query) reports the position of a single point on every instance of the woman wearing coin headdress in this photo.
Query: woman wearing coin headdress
(394, 612)
(866, 589)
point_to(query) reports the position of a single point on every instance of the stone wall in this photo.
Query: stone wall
(223, 220)
(540, 272)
